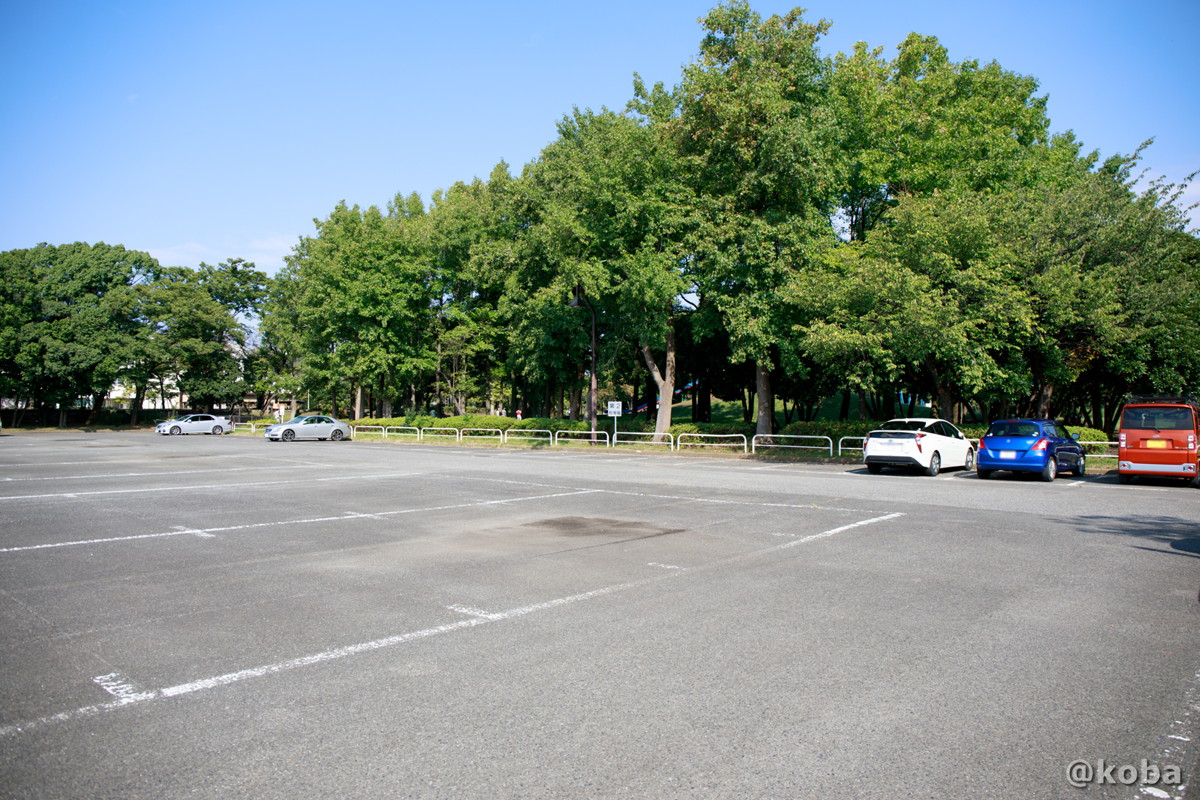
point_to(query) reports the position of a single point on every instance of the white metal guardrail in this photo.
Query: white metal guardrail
(673, 442)
(1110, 449)
(680, 440)
(528, 434)
(670, 440)
(481, 433)
(862, 440)
(767, 441)
(594, 434)
(441, 433)
(243, 425)
(370, 430)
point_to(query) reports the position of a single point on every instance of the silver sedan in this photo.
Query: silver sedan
(194, 423)
(313, 426)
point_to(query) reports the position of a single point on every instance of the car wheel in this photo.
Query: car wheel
(935, 465)
(289, 436)
(336, 436)
(1050, 471)
(1081, 467)
(217, 430)
(970, 464)
(984, 474)
(1194, 481)
(175, 431)
(874, 469)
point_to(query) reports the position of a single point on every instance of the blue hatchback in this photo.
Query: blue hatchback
(1030, 445)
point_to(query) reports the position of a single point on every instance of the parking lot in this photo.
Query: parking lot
(202, 616)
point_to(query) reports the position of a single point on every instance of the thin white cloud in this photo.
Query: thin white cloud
(266, 251)
(188, 254)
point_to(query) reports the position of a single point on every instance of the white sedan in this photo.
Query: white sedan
(312, 426)
(928, 444)
(194, 423)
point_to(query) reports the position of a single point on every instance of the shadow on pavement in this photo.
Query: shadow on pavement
(1180, 536)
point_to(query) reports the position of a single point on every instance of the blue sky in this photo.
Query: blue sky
(206, 131)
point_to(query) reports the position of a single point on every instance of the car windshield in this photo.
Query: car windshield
(903, 425)
(1026, 429)
(1158, 419)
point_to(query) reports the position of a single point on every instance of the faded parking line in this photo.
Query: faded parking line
(349, 515)
(209, 486)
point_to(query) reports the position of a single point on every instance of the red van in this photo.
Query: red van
(1158, 437)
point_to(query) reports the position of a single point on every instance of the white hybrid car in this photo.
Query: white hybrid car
(926, 444)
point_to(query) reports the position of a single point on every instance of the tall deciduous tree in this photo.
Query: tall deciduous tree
(362, 295)
(191, 337)
(759, 130)
(78, 320)
(614, 222)
(920, 123)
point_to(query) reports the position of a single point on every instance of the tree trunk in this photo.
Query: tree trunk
(1043, 400)
(664, 381)
(135, 408)
(576, 399)
(766, 400)
(98, 399)
(702, 405)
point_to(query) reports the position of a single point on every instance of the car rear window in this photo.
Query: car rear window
(903, 425)
(1157, 419)
(1013, 429)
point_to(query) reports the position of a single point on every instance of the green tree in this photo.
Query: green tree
(613, 225)
(192, 338)
(361, 292)
(78, 321)
(759, 131)
(921, 123)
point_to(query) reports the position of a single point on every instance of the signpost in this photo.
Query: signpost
(614, 411)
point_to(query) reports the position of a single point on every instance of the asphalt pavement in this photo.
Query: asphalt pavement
(204, 616)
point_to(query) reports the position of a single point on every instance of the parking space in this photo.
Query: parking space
(220, 615)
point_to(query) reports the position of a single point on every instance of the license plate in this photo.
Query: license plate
(1008, 453)
(1157, 444)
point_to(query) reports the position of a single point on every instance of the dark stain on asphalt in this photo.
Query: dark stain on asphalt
(597, 526)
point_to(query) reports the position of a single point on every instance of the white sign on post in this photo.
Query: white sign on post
(614, 411)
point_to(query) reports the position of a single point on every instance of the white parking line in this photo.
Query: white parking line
(128, 694)
(222, 470)
(194, 532)
(349, 515)
(211, 486)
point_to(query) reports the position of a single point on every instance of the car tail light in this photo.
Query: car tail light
(982, 444)
(1191, 441)
(1121, 439)
(1040, 444)
(920, 436)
